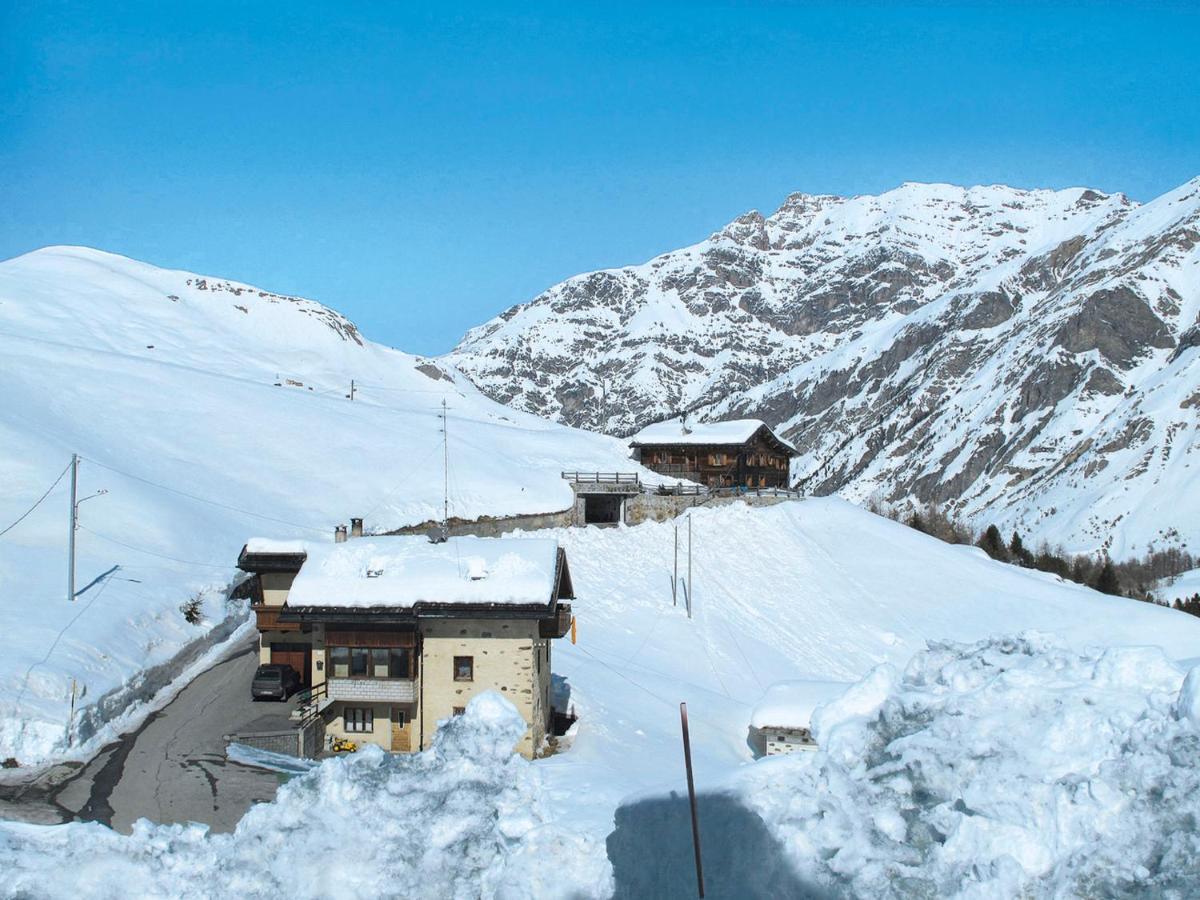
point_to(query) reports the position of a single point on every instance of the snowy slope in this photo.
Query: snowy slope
(1028, 358)
(816, 590)
(162, 378)
(1180, 587)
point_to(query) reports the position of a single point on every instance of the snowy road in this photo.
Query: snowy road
(172, 769)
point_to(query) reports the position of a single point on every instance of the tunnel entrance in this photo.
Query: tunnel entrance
(602, 509)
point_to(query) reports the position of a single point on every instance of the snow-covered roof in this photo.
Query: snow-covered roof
(672, 431)
(400, 571)
(790, 704)
(271, 546)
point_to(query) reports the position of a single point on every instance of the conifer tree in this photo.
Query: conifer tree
(1106, 581)
(993, 545)
(1016, 549)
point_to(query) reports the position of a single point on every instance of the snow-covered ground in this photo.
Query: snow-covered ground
(818, 590)
(1179, 587)
(166, 384)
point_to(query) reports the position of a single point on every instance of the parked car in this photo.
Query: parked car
(275, 680)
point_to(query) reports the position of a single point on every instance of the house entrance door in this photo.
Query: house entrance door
(401, 730)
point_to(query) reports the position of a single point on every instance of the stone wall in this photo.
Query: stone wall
(495, 526)
(663, 507)
(509, 658)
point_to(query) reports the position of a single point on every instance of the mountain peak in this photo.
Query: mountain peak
(982, 348)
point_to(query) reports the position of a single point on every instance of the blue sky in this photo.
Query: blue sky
(423, 167)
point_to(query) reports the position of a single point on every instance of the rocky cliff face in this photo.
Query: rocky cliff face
(1025, 357)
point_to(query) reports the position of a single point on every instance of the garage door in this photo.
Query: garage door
(298, 656)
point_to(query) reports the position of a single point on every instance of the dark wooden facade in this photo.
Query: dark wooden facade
(762, 461)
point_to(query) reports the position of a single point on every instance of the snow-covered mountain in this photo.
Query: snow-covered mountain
(1024, 357)
(209, 411)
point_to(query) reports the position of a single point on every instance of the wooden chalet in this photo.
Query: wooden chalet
(743, 453)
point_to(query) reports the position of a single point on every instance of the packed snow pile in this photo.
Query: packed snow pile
(1010, 767)
(463, 819)
(791, 704)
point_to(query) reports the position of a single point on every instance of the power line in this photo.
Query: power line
(188, 562)
(37, 504)
(58, 637)
(199, 499)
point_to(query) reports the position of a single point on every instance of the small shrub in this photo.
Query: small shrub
(192, 610)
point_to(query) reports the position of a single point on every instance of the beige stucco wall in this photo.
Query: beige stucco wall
(506, 661)
(275, 587)
(381, 734)
(266, 638)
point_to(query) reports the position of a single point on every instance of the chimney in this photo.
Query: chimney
(339, 534)
(356, 528)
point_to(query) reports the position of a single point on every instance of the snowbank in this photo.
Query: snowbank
(1011, 767)
(790, 704)
(463, 819)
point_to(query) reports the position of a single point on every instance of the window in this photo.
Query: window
(379, 662)
(458, 710)
(398, 663)
(359, 718)
(371, 662)
(464, 668)
(339, 659)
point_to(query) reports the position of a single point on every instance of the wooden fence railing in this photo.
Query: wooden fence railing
(603, 477)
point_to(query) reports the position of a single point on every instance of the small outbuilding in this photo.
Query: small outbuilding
(782, 720)
(741, 453)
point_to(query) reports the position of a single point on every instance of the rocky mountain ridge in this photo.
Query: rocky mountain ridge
(1024, 357)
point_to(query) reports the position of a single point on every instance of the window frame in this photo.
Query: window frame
(470, 664)
(343, 659)
(363, 722)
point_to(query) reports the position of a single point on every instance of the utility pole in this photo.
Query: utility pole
(351, 390)
(71, 530)
(445, 468)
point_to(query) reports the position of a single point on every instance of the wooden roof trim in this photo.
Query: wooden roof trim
(270, 562)
(771, 437)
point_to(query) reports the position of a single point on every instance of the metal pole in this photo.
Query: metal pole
(687, 760)
(71, 530)
(445, 467)
(351, 390)
(675, 575)
(689, 580)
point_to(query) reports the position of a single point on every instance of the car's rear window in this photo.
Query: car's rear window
(269, 674)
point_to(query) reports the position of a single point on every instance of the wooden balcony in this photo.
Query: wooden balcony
(558, 625)
(268, 619)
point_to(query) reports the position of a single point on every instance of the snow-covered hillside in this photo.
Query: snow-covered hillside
(809, 590)
(175, 390)
(1029, 358)
(209, 411)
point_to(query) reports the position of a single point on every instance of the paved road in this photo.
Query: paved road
(172, 769)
